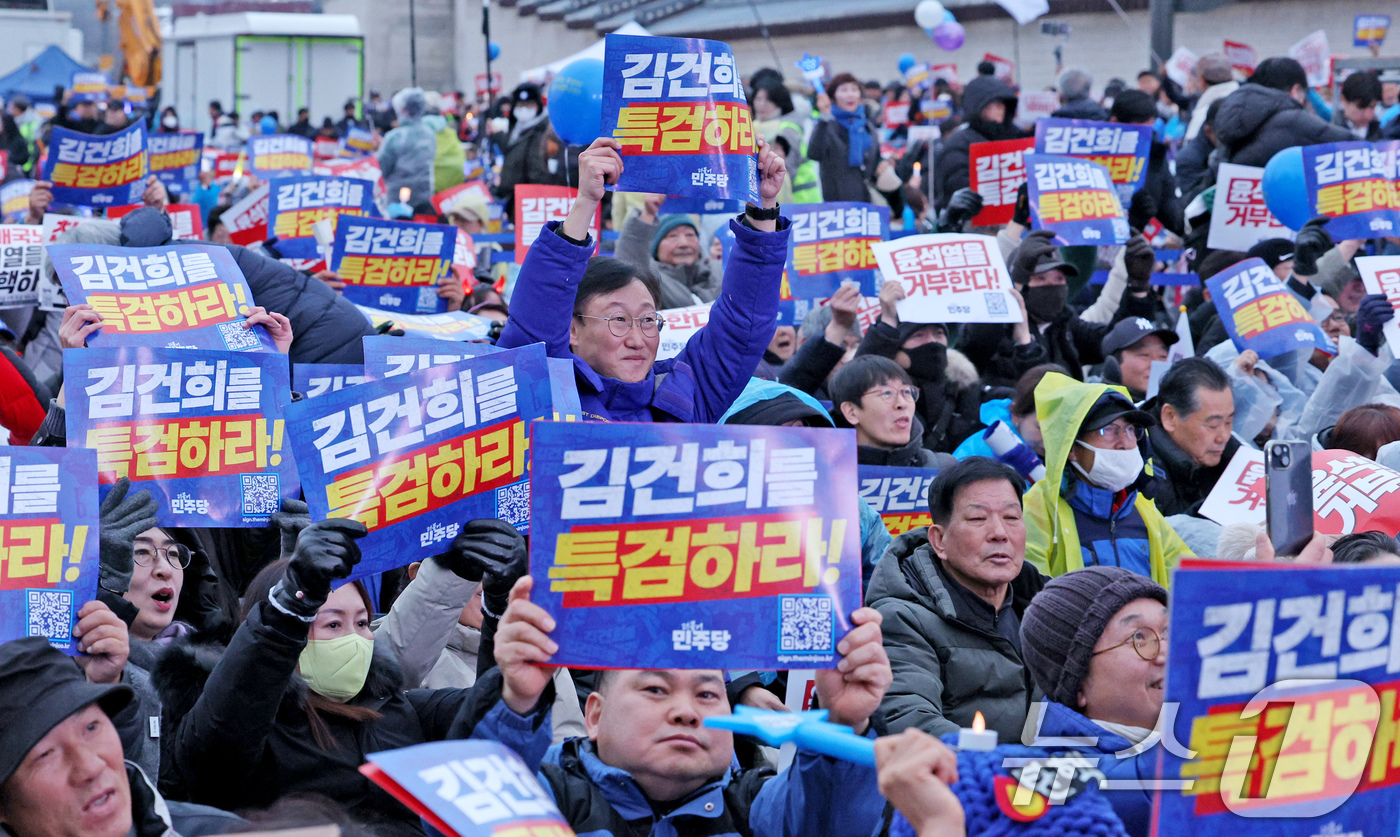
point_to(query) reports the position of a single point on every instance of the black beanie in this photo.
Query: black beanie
(1064, 621)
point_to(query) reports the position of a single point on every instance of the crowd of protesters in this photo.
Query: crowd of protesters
(226, 684)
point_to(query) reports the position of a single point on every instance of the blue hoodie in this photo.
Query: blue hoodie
(1133, 805)
(700, 383)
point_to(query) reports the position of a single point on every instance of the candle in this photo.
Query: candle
(978, 738)
(917, 167)
(404, 192)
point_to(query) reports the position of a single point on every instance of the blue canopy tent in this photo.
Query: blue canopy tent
(37, 77)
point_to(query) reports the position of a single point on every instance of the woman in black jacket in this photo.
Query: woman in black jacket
(846, 143)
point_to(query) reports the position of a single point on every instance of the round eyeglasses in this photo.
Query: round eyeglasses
(178, 556)
(650, 324)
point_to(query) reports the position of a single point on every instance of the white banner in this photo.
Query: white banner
(1315, 56)
(681, 325)
(1381, 275)
(1234, 499)
(949, 278)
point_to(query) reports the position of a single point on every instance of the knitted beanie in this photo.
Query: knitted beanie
(667, 223)
(1064, 621)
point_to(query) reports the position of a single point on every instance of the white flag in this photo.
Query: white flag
(1025, 11)
(1183, 347)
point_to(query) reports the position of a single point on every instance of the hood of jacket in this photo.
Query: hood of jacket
(1244, 112)
(962, 371)
(1061, 403)
(759, 390)
(180, 673)
(906, 572)
(984, 90)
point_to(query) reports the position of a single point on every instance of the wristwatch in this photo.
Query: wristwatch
(763, 214)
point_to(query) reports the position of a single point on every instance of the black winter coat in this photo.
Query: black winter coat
(1181, 486)
(1255, 122)
(830, 147)
(1161, 185)
(950, 167)
(1192, 164)
(1084, 108)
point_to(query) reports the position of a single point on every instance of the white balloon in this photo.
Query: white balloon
(928, 14)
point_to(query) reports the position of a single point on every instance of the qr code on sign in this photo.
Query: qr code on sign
(513, 504)
(807, 624)
(427, 300)
(49, 614)
(996, 302)
(238, 338)
(261, 495)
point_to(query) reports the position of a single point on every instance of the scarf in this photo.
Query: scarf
(854, 123)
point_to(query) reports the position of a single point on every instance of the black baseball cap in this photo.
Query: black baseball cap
(1052, 261)
(1132, 329)
(1110, 407)
(39, 688)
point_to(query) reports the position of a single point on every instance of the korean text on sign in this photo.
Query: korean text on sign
(1260, 314)
(279, 154)
(1239, 217)
(295, 204)
(677, 106)
(393, 265)
(175, 157)
(469, 788)
(830, 245)
(1122, 149)
(1353, 494)
(1381, 275)
(21, 259)
(412, 455)
(900, 495)
(313, 379)
(949, 277)
(48, 542)
(1284, 683)
(387, 356)
(14, 200)
(1075, 198)
(681, 545)
(1369, 30)
(1354, 184)
(997, 171)
(193, 295)
(203, 431)
(86, 170)
(537, 205)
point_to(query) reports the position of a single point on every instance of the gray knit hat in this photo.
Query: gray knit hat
(1064, 621)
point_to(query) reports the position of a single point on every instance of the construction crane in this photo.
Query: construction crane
(138, 38)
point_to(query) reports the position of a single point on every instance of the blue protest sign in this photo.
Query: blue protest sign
(49, 535)
(457, 326)
(175, 157)
(1353, 183)
(830, 245)
(203, 431)
(900, 495)
(1122, 149)
(88, 87)
(393, 265)
(1075, 199)
(811, 67)
(359, 142)
(313, 379)
(295, 204)
(468, 789)
(1369, 30)
(694, 546)
(415, 456)
(14, 201)
(1259, 313)
(176, 296)
(1281, 683)
(278, 155)
(387, 356)
(698, 206)
(677, 106)
(86, 170)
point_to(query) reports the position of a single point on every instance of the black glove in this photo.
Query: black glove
(961, 208)
(122, 518)
(1371, 316)
(1141, 209)
(490, 551)
(1139, 258)
(1311, 243)
(1032, 249)
(1022, 213)
(325, 550)
(293, 517)
(387, 327)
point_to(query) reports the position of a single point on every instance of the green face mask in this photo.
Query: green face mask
(337, 668)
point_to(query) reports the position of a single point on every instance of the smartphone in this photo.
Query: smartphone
(1288, 499)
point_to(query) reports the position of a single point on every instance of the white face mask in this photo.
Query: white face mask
(553, 165)
(170, 122)
(523, 114)
(1114, 470)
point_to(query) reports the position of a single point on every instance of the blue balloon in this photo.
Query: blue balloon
(906, 61)
(576, 101)
(947, 15)
(1286, 189)
(493, 49)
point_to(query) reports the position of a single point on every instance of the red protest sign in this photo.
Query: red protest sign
(997, 171)
(536, 206)
(1238, 496)
(1242, 56)
(1352, 494)
(896, 114)
(247, 219)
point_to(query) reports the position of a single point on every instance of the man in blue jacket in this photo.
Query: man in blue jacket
(650, 767)
(602, 313)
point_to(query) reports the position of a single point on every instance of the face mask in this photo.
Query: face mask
(170, 122)
(553, 165)
(1112, 469)
(525, 114)
(336, 668)
(1045, 302)
(928, 362)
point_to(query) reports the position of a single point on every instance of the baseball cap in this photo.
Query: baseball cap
(1052, 261)
(1110, 407)
(1132, 329)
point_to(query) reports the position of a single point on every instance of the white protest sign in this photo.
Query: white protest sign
(949, 278)
(801, 689)
(50, 293)
(1034, 104)
(1381, 275)
(21, 264)
(1239, 219)
(681, 325)
(1315, 56)
(1180, 65)
(1237, 496)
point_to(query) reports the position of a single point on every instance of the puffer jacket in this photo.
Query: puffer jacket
(945, 667)
(816, 795)
(406, 159)
(1255, 122)
(1182, 485)
(152, 815)
(681, 284)
(1071, 524)
(700, 383)
(951, 166)
(829, 147)
(1081, 108)
(237, 732)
